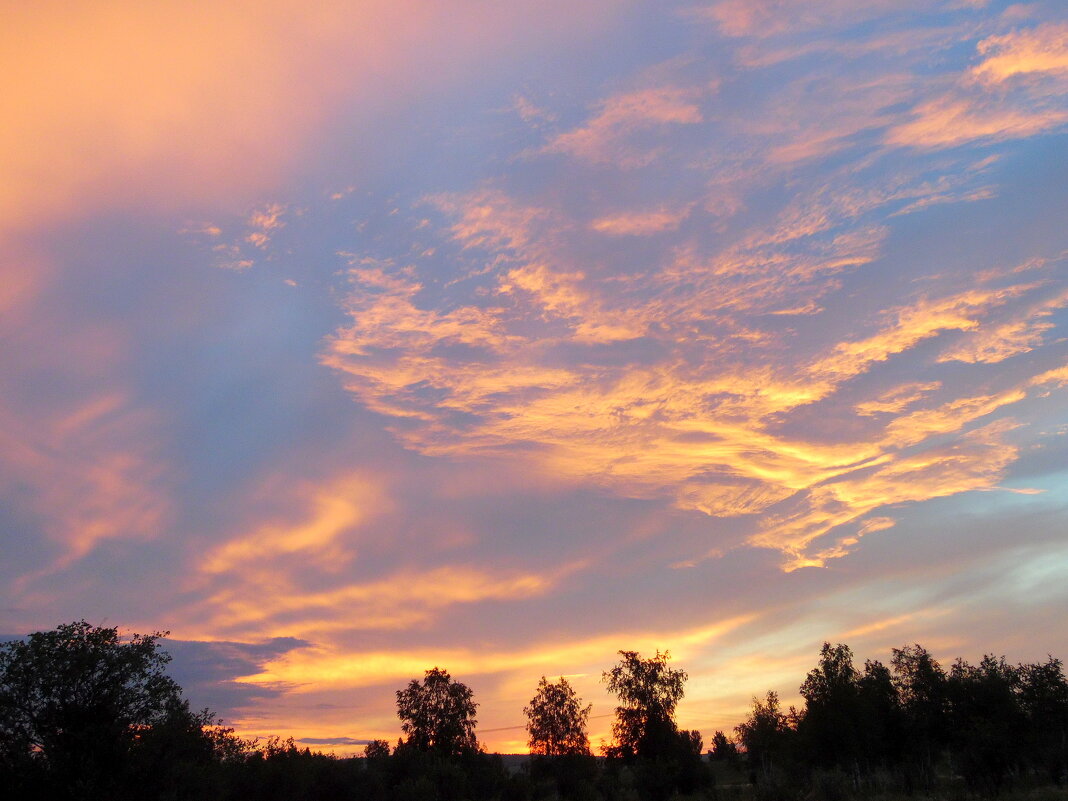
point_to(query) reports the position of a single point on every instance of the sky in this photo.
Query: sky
(349, 339)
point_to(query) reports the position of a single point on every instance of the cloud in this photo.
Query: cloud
(86, 468)
(535, 354)
(1039, 50)
(995, 343)
(729, 304)
(335, 511)
(696, 420)
(762, 18)
(313, 669)
(949, 122)
(640, 223)
(609, 136)
(977, 462)
(207, 672)
(281, 603)
(165, 105)
(263, 223)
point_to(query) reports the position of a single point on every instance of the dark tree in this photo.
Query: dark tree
(724, 749)
(921, 686)
(76, 701)
(831, 727)
(376, 749)
(556, 720)
(1043, 694)
(882, 733)
(987, 724)
(648, 692)
(664, 760)
(438, 714)
(765, 735)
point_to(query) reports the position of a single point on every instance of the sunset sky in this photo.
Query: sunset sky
(347, 339)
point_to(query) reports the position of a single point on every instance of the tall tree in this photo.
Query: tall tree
(438, 714)
(74, 701)
(1044, 702)
(556, 720)
(724, 749)
(882, 731)
(765, 734)
(921, 686)
(648, 692)
(831, 725)
(986, 722)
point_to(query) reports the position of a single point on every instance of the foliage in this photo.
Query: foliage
(648, 692)
(831, 725)
(74, 701)
(663, 759)
(921, 686)
(1043, 697)
(986, 722)
(376, 749)
(723, 749)
(556, 720)
(765, 734)
(438, 714)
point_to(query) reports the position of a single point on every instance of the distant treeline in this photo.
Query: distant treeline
(86, 714)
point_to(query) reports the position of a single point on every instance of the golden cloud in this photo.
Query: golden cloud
(1042, 49)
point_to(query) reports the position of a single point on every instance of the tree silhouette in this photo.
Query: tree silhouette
(648, 691)
(764, 734)
(438, 714)
(882, 730)
(986, 722)
(921, 685)
(1043, 697)
(723, 749)
(376, 749)
(556, 720)
(831, 726)
(75, 701)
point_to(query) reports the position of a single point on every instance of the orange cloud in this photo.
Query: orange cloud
(261, 602)
(1038, 50)
(992, 344)
(314, 669)
(1058, 376)
(913, 324)
(948, 122)
(264, 223)
(977, 461)
(167, 104)
(772, 17)
(699, 420)
(897, 399)
(334, 511)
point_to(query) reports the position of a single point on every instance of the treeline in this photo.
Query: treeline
(909, 727)
(86, 714)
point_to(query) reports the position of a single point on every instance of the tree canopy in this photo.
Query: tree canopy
(556, 720)
(438, 714)
(648, 692)
(76, 701)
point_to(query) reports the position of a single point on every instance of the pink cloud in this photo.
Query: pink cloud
(605, 139)
(948, 122)
(167, 104)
